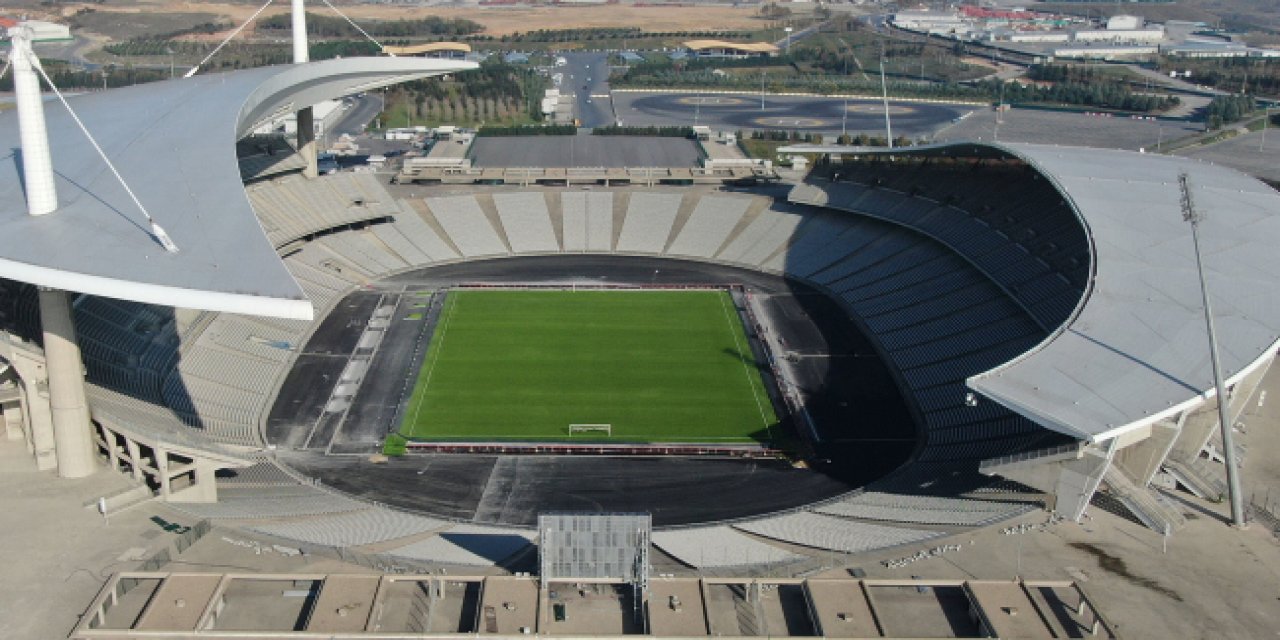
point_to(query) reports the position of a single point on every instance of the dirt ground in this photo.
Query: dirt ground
(497, 20)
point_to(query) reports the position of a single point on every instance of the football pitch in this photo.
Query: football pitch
(657, 366)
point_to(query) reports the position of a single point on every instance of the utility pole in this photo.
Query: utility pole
(1189, 214)
(888, 126)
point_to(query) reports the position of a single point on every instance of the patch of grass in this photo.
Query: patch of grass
(413, 316)
(395, 445)
(670, 366)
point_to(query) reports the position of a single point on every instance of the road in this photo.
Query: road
(355, 119)
(586, 75)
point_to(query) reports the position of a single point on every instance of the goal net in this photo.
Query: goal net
(576, 429)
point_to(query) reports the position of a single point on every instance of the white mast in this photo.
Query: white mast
(37, 167)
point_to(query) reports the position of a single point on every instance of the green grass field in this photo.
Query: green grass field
(669, 366)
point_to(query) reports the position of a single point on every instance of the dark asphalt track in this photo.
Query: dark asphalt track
(789, 113)
(850, 392)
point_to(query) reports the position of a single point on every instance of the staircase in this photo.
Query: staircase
(996, 466)
(1200, 476)
(748, 621)
(1154, 511)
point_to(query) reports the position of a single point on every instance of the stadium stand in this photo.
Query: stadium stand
(708, 226)
(718, 547)
(467, 226)
(588, 220)
(526, 222)
(270, 502)
(648, 223)
(938, 315)
(468, 544)
(266, 156)
(831, 533)
(919, 509)
(352, 529)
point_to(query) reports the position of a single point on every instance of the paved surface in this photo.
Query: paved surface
(584, 151)
(354, 120)
(1075, 129)
(791, 113)
(1252, 153)
(586, 75)
(57, 553)
(853, 400)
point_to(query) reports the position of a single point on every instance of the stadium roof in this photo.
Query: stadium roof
(1136, 349)
(174, 142)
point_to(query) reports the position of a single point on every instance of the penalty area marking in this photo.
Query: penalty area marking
(452, 303)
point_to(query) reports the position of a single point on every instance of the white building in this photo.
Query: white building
(1146, 34)
(326, 114)
(1106, 51)
(1124, 23)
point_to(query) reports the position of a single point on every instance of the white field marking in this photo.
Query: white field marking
(746, 371)
(431, 368)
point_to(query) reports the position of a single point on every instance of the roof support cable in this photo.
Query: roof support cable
(357, 27)
(196, 69)
(156, 231)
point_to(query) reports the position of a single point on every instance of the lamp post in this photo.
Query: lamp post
(844, 118)
(1266, 117)
(1189, 214)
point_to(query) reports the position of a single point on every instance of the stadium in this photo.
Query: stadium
(928, 340)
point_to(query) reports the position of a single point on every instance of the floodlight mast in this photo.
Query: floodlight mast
(1189, 214)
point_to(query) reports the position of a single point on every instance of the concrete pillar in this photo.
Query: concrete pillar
(204, 485)
(307, 142)
(40, 421)
(162, 472)
(135, 458)
(37, 167)
(109, 438)
(15, 421)
(71, 432)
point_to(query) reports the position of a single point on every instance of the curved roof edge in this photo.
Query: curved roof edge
(173, 141)
(1135, 349)
(157, 294)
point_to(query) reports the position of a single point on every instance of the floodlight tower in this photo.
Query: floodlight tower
(305, 116)
(1194, 217)
(72, 438)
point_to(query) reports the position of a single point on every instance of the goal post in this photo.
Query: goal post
(606, 429)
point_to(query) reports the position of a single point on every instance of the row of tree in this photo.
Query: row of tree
(1224, 110)
(530, 130)
(65, 77)
(661, 132)
(1103, 95)
(331, 27)
(1259, 76)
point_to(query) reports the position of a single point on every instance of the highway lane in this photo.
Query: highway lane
(587, 75)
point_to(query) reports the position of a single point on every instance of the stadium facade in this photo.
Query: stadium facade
(1116, 378)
